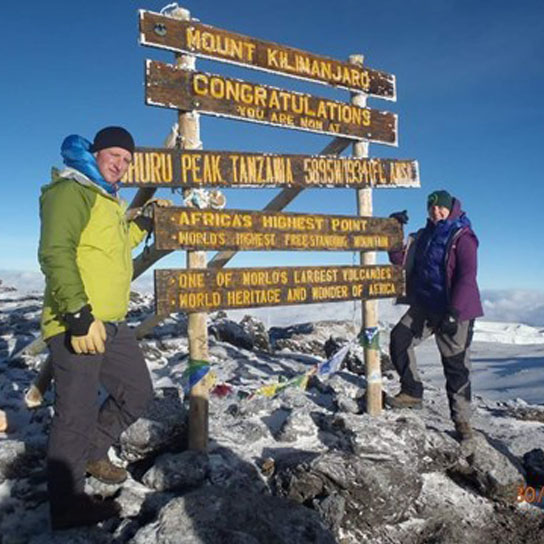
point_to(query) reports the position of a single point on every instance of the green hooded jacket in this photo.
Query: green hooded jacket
(85, 250)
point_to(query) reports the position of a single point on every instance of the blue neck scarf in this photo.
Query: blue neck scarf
(76, 153)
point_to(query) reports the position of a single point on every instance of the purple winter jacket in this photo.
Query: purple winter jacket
(461, 268)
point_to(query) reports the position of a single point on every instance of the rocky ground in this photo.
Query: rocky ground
(303, 466)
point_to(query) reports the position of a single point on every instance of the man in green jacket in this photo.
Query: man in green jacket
(85, 255)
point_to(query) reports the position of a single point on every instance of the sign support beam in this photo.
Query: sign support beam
(189, 130)
(369, 307)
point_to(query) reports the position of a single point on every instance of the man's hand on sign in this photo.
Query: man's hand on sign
(147, 210)
(162, 202)
(93, 342)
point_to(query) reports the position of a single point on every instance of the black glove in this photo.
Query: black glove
(449, 323)
(401, 217)
(80, 321)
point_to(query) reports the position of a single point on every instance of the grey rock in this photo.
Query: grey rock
(162, 427)
(132, 498)
(533, 461)
(80, 535)
(490, 469)
(331, 509)
(297, 338)
(526, 413)
(259, 406)
(226, 330)
(18, 461)
(257, 332)
(228, 471)
(347, 404)
(180, 471)
(247, 431)
(211, 515)
(298, 424)
(366, 491)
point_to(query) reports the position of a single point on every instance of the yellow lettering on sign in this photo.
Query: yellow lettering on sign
(252, 102)
(206, 299)
(212, 170)
(272, 57)
(364, 274)
(262, 278)
(214, 219)
(254, 240)
(370, 242)
(297, 294)
(266, 168)
(401, 172)
(348, 224)
(304, 241)
(200, 84)
(226, 46)
(314, 124)
(282, 118)
(356, 290)
(332, 292)
(303, 65)
(385, 288)
(247, 297)
(317, 275)
(292, 222)
(150, 167)
(201, 239)
(188, 280)
(223, 278)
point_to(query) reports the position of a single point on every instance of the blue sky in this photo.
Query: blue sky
(469, 82)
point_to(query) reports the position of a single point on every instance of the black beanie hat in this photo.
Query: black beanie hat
(440, 198)
(113, 137)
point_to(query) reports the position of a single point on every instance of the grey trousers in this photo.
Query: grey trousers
(415, 327)
(81, 429)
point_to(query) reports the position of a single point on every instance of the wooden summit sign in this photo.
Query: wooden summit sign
(206, 41)
(172, 87)
(188, 228)
(210, 290)
(153, 167)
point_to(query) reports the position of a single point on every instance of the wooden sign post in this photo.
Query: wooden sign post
(189, 131)
(369, 308)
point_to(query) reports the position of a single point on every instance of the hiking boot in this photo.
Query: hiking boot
(105, 471)
(404, 400)
(464, 430)
(83, 510)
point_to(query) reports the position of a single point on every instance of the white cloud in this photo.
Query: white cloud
(514, 305)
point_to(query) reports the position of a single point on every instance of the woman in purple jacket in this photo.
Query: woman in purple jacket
(441, 289)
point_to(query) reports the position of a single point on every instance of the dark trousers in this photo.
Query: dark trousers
(415, 327)
(81, 429)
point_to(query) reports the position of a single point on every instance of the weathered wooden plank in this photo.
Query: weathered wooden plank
(159, 167)
(207, 41)
(188, 228)
(171, 87)
(149, 257)
(210, 290)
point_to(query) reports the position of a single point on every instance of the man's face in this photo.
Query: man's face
(437, 213)
(113, 162)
